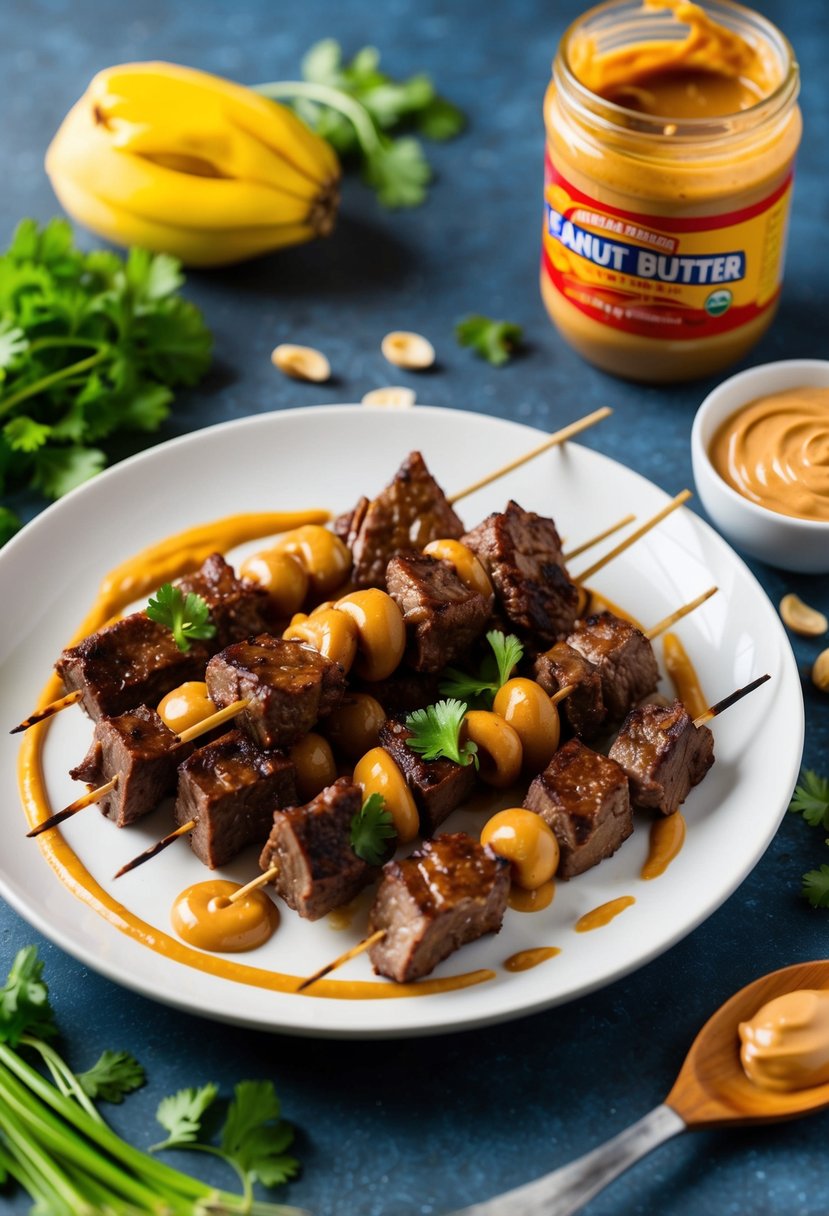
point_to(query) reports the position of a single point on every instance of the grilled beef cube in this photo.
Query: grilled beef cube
(408, 514)
(450, 891)
(563, 667)
(401, 692)
(288, 686)
(443, 616)
(664, 755)
(238, 608)
(521, 553)
(438, 786)
(584, 798)
(131, 662)
(624, 658)
(231, 789)
(143, 753)
(347, 525)
(317, 869)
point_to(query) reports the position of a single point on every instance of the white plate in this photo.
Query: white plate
(326, 456)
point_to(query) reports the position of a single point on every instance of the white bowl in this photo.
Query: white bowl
(780, 540)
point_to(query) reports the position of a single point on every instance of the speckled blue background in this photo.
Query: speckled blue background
(419, 1128)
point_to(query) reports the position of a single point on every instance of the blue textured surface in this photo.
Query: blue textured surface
(420, 1128)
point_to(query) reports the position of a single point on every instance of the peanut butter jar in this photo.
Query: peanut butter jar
(671, 137)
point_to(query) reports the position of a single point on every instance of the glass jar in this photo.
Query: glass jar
(664, 236)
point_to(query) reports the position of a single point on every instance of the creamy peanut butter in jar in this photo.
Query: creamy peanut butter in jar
(671, 136)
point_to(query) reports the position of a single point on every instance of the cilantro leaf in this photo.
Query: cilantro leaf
(495, 341)
(181, 1114)
(90, 345)
(113, 1075)
(371, 829)
(254, 1138)
(507, 652)
(436, 732)
(811, 800)
(186, 616)
(440, 120)
(816, 887)
(398, 171)
(24, 1000)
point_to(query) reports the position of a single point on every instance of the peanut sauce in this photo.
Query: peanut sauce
(775, 452)
(785, 1046)
(667, 836)
(683, 676)
(525, 959)
(139, 575)
(531, 901)
(604, 914)
(203, 916)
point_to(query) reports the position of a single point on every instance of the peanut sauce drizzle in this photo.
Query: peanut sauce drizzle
(525, 959)
(531, 901)
(139, 575)
(602, 915)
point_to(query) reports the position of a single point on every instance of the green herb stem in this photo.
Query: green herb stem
(46, 343)
(40, 1164)
(46, 382)
(64, 1078)
(336, 99)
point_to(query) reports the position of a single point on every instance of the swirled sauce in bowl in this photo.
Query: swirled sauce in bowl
(775, 452)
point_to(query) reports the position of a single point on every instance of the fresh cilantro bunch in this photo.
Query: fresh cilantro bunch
(57, 1146)
(436, 733)
(494, 671)
(495, 341)
(811, 800)
(90, 345)
(186, 616)
(371, 830)
(356, 106)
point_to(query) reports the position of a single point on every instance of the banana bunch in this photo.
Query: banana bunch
(182, 162)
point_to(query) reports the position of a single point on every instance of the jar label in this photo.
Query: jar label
(661, 276)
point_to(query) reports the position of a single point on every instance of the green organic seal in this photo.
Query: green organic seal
(718, 302)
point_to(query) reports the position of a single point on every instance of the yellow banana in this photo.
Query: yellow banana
(182, 162)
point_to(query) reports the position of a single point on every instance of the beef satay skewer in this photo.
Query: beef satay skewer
(54, 707)
(567, 432)
(96, 795)
(678, 614)
(261, 880)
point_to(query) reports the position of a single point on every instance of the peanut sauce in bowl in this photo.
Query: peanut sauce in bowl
(760, 450)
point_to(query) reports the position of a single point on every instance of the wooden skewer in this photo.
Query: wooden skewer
(54, 707)
(595, 540)
(155, 849)
(80, 804)
(101, 791)
(634, 536)
(562, 693)
(679, 613)
(360, 948)
(255, 883)
(551, 441)
(731, 699)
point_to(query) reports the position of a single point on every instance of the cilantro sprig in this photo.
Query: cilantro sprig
(436, 733)
(371, 830)
(186, 616)
(495, 670)
(90, 345)
(811, 800)
(356, 106)
(57, 1146)
(495, 341)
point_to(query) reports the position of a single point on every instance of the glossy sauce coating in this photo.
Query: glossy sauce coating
(525, 959)
(203, 916)
(532, 901)
(785, 1046)
(604, 914)
(683, 676)
(775, 452)
(667, 837)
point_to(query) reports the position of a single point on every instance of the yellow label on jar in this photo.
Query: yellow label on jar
(658, 276)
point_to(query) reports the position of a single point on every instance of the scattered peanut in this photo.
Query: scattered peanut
(802, 619)
(405, 349)
(820, 671)
(301, 362)
(394, 397)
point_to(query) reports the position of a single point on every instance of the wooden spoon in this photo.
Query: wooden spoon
(711, 1091)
